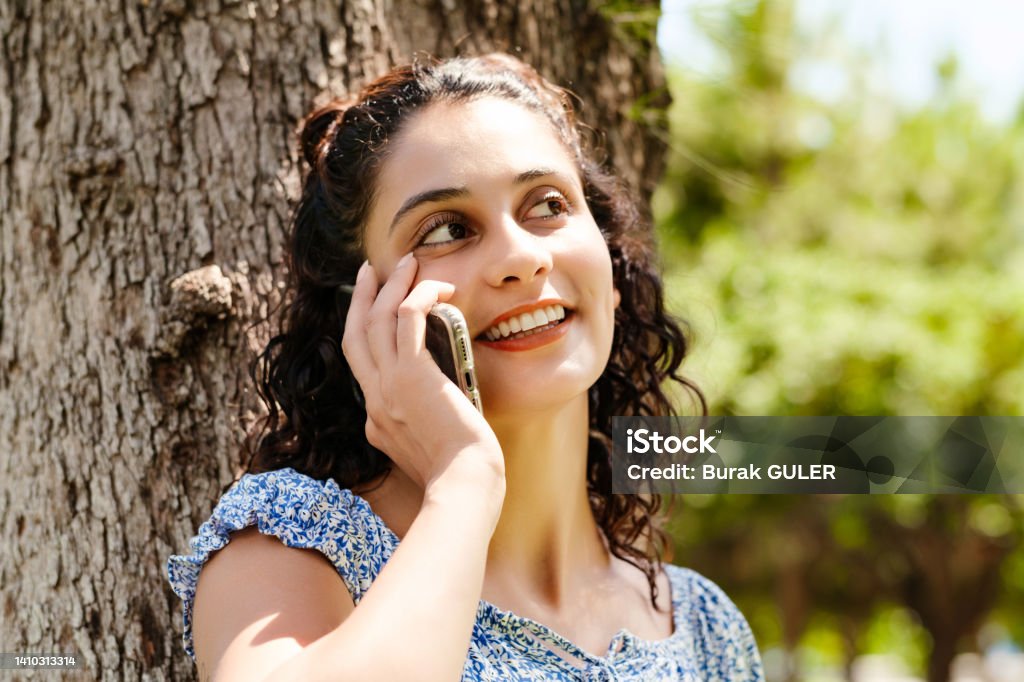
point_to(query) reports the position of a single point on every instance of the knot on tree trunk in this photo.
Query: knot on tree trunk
(196, 298)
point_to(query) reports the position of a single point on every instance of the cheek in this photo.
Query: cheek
(592, 261)
(438, 271)
(442, 270)
(588, 265)
(603, 282)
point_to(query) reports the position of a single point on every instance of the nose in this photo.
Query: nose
(517, 255)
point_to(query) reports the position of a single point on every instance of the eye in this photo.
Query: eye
(443, 229)
(551, 205)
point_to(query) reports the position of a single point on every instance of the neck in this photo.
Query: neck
(546, 538)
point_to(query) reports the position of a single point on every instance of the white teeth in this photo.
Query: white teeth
(525, 322)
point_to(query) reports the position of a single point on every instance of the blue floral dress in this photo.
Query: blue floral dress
(711, 639)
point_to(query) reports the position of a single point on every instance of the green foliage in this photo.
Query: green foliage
(842, 257)
(634, 20)
(814, 330)
(896, 629)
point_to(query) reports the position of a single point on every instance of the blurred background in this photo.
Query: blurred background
(842, 218)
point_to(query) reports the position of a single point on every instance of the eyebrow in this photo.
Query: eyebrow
(436, 195)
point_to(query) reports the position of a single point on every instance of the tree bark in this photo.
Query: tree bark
(147, 168)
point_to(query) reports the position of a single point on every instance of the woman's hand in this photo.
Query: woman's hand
(415, 414)
(432, 431)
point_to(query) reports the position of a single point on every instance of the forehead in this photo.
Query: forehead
(462, 139)
(468, 144)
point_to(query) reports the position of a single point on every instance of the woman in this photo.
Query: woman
(463, 181)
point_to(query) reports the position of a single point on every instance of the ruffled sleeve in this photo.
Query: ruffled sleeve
(723, 637)
(301, 512)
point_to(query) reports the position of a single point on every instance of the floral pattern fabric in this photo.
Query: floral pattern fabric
(711, 639)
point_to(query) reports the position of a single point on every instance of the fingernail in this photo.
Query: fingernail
(406, 259)
(362, 270)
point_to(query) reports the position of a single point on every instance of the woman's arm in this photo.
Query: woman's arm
(259, 602)
(267, 611)
(279, 616)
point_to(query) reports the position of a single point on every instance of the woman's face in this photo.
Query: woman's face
(488, 198)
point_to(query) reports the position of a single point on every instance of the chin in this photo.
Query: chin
(532, 392)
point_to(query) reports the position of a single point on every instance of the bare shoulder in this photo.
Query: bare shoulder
(259, 602)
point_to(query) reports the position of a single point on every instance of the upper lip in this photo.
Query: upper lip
(526, 308)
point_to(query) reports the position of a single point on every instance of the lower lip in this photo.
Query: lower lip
(533, 340)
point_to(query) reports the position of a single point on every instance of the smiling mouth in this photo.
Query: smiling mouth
(527, 324)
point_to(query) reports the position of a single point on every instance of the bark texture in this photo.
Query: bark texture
(147, 169)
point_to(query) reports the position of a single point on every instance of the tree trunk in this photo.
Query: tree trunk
(954, 578)
(147, 169)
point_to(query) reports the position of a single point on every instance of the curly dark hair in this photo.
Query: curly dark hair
(314, 423)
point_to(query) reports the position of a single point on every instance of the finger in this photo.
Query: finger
(354, 343)
(382, 320)
(412, 316)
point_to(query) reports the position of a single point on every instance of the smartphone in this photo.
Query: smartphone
(451, 347)
(447, 340)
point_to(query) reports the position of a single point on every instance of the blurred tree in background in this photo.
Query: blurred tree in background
(847, 257)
